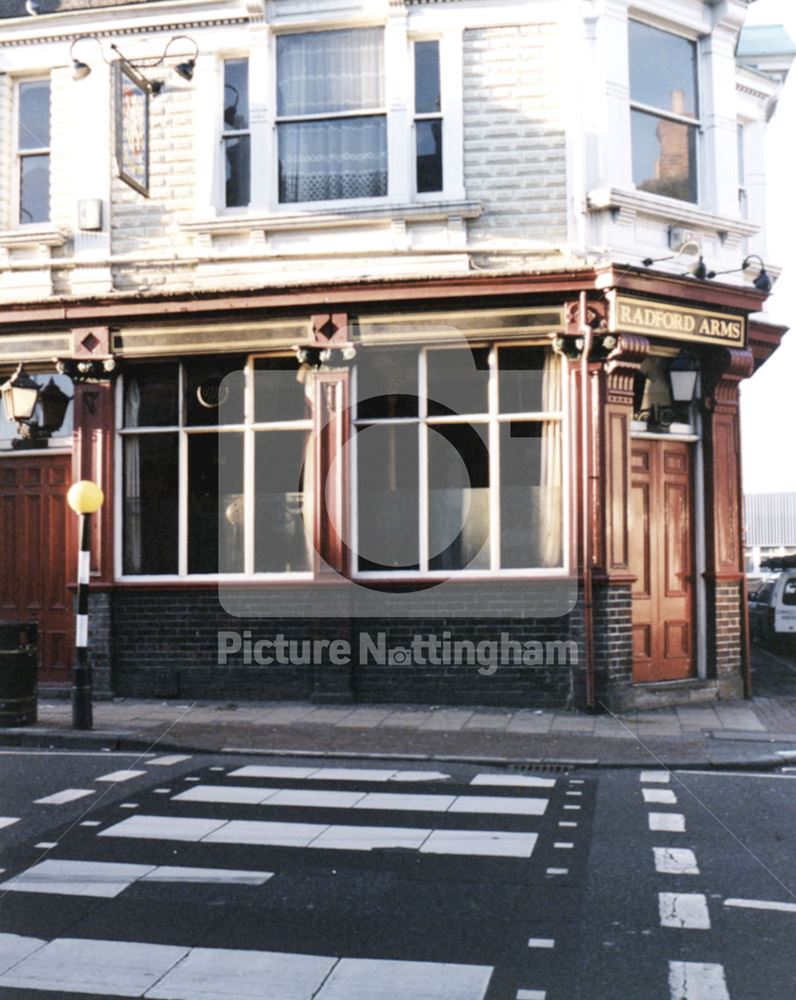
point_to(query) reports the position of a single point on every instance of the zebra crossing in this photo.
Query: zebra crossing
(285, 882)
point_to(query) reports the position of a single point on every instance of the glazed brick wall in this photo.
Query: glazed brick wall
(165, 645)
(613, 641)
(514, 141)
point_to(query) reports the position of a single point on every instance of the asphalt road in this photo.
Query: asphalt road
(321, 880)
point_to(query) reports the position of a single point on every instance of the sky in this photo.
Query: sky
(767, 412)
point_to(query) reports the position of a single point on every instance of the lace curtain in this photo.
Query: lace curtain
(323, 74)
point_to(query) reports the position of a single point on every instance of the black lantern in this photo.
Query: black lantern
(20, 396)
(683, 374)
(53, 403)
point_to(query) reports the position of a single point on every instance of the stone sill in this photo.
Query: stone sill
(628, 204)
(369, 215)
(33, 236)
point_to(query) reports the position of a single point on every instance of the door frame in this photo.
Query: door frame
(699, 546)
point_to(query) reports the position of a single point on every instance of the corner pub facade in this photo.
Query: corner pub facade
(374, 322)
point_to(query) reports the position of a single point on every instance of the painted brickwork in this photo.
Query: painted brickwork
(514, 151)
(141, 226)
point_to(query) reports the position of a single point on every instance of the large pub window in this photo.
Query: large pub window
(195, 440)
(459, 461)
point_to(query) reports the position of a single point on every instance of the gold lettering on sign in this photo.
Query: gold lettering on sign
(678, 322)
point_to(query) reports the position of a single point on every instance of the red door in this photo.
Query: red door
(662, 558)
(34, 555)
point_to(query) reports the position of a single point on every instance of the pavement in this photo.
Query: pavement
(757, 733)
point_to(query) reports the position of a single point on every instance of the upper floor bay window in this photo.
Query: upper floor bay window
(33, 151)
(664, 105)
(331, 115)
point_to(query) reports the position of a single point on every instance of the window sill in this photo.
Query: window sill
(626, 205)
(33, 236)
(370, 215)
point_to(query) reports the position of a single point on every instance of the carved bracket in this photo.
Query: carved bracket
(623, 364)
(723, 371)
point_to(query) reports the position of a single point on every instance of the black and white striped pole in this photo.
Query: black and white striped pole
(85, 498)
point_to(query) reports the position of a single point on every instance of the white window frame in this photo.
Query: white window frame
(423, 116)
(248, 428)
(289, 207)
(492, 421)
(226, 133)
(20, 152)
(697, 122)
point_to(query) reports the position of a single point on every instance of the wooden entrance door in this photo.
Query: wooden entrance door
(34, 555)
(662, 559)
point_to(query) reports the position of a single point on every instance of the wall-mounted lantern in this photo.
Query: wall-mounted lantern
(21, 395)
(683, 375)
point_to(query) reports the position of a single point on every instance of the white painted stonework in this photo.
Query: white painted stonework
(536, 149)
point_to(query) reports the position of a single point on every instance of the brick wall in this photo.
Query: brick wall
(165, 644)
(724, 637)
(613, 643)
(514, 150)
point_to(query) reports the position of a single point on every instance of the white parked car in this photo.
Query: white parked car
(772, 609)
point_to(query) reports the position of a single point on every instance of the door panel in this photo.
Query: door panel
(35, 547)
(662, 558)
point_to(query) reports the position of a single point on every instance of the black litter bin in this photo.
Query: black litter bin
(17, 673)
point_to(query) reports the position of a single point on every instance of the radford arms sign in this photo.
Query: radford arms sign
(661, 319)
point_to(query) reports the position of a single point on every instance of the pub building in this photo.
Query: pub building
(386, 330)
(543, 470)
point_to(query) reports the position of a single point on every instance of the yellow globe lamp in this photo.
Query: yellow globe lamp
(85, 497)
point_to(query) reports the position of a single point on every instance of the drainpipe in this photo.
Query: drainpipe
(586, 503)
(746, 646)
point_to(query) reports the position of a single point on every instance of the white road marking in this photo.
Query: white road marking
(567, 823)
(745, 774)
(669, 822)
(117, 776)
(557, 871)
(316, 798)
(572, 807)
(493, 805)
(687, 910)
(513, 781)
(563, 845)
(761, 904)
(333, 773)
(218, 768)
(663, 796)
(128, 805)
(8, 821)
(162, 791)
(14, 947)
(675, 861)
(207, 876)
(107, 880)
(317, 835)
(577, 781)
(165, 972)
(164, 828)
(787, 754)
(174, 758)
(573, 793)
(91, 822)
(110, 968)
(541, 943)
(531, 995)
(192, 779)
(697, 981)
(653, 777)
(411, 803)
(67, 795)
(45, 845)
(484, 843)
